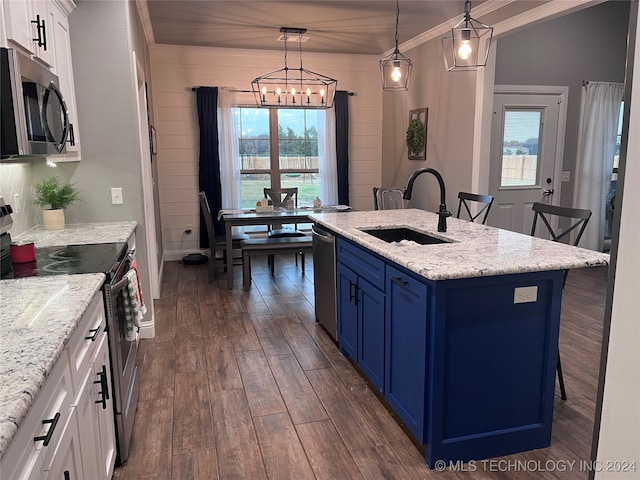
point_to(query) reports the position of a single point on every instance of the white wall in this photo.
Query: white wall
(176, 69)
(620, 429)
(450, 98)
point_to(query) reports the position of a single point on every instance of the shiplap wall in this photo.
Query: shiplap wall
(176, 69)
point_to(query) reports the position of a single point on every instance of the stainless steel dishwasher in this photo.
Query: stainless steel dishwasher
(324, 279)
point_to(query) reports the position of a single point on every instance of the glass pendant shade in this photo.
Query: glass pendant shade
(467, 45)
(395, 68)
(396, 72)
(294, 87)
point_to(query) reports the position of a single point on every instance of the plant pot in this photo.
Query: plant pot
(53, 219)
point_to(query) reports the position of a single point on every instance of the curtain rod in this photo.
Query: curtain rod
(585, 83)
(193, 89)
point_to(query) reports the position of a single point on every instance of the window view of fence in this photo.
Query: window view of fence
(278, 149)
(520, 154)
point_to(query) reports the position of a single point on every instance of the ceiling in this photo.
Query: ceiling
(333, 26)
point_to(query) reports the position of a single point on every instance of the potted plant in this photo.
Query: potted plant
(54, 198)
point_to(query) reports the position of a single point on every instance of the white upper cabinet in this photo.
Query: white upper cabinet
(64, 71)
(28, 25)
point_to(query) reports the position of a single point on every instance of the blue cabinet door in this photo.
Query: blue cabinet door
(406, 363)
(370, 302)
(347, 311)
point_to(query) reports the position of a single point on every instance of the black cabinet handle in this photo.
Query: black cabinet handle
(47, 438)
(42, 33)
(95, 331)
(104, 387)
(67, 476)
(399, 281)
(72, 137)
(353, 292)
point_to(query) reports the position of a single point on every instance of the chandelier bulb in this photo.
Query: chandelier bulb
(396, 74)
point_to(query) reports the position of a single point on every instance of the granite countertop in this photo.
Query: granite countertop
(474, 250)
(38, 315)
(79, 234)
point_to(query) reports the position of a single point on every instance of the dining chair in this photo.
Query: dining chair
(217, 242)
(485, 200)
(578, 219)
(279, 199)
(387, 198)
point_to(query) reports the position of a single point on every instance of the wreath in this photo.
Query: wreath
(415, 136)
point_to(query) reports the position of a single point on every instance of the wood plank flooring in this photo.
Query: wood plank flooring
(245, 385)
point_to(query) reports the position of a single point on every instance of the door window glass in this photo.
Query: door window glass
(520, 147)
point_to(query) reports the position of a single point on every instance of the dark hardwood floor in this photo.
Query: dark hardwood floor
(245, 385)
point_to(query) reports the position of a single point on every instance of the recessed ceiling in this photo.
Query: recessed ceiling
(334, 26)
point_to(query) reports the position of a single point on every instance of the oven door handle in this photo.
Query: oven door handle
(116, 287)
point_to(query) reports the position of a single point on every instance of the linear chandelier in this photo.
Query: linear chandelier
(294, 87)
(395, 68)
(468, 46)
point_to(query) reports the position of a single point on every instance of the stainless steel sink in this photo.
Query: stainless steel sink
(391, 235)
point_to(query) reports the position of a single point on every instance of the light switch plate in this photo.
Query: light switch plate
(116, 196)
(525, 294)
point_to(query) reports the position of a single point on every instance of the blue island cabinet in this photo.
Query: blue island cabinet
(469, 364)
(361, 310)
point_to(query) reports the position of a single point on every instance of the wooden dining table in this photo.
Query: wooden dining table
(235, 218)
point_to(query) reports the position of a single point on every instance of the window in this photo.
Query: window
(611, 194)
(278, 149)
(520, 152)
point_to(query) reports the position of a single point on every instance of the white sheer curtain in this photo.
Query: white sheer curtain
(595, 156)
(327, 167)
(229, 154)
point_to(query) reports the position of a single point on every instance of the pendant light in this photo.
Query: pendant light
(467, 47)
(294, 87)
(395, 68)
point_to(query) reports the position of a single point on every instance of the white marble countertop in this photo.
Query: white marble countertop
(37, 318)
(474, 250)
(79, 234)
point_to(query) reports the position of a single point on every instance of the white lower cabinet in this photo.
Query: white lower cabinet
(69, 432)
(94, 408)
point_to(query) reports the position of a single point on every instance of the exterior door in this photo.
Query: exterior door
(527, 141)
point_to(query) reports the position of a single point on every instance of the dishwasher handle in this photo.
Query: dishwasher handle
(319, 235)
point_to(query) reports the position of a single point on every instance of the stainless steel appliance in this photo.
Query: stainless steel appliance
(324, 279)
(114, 260)
(34, 119)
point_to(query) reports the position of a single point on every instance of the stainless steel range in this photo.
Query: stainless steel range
(114, 260)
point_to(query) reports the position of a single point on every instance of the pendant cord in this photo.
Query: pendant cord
(397, 16)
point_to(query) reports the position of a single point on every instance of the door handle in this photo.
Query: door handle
(547, 191)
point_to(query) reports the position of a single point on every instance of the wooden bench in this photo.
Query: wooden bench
(271, 246)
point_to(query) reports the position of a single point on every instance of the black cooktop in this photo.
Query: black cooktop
(72, 259)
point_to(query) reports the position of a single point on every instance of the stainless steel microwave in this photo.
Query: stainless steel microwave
(34, 115)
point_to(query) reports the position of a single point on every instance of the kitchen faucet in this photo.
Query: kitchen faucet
(443, 213)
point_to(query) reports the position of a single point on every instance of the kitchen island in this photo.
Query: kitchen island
(460, 337)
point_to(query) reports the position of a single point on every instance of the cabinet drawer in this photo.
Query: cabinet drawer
(361, 262)
(25, 454)
(85, 340)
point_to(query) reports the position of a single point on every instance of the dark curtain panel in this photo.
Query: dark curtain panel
(209, 172)
(341, 104)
